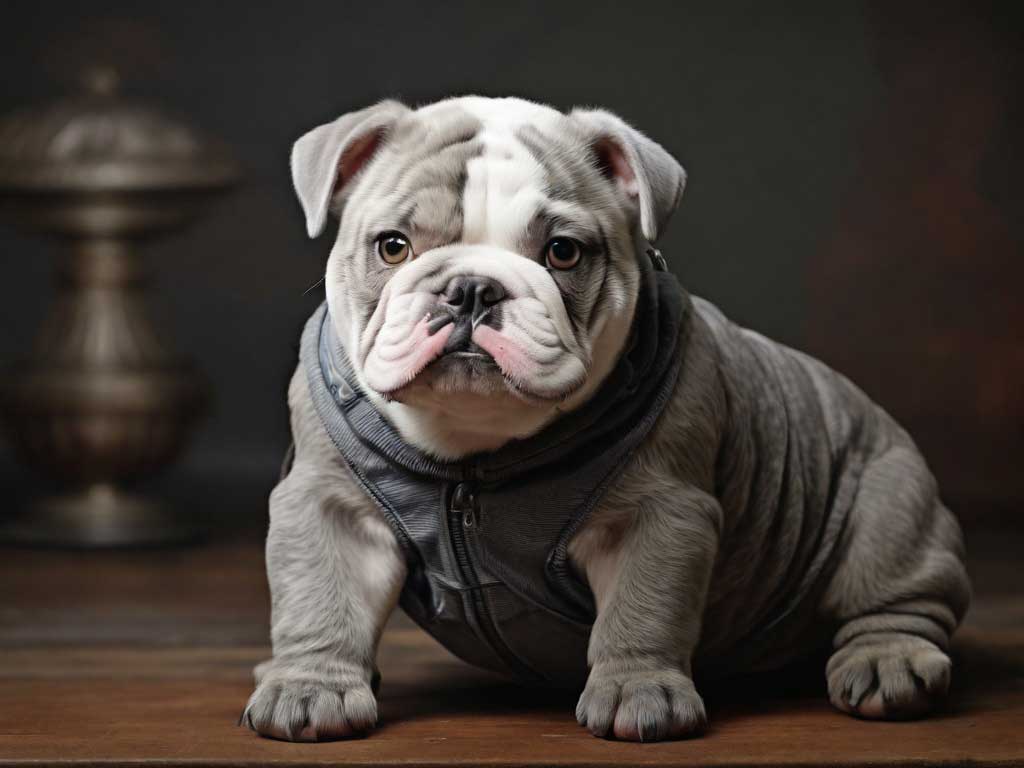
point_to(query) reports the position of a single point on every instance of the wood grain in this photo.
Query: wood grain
(128, 706)
(145, 660)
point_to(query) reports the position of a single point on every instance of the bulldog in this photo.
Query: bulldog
(510, 418)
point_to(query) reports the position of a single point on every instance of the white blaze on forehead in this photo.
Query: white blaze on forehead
(505, 183)
(504, 186)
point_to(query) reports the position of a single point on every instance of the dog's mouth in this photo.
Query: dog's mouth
(461, 356)
(469, 355)
(467, 370)
(471, 360)
(458, 371)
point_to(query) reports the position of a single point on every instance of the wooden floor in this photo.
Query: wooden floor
(145, 659)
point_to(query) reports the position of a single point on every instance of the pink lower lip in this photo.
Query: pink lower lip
(509, 356)
(426, 348)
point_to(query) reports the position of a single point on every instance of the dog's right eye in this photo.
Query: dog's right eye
(394, 247)
(562, 253)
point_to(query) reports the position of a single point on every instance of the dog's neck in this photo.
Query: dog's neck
(452, 427)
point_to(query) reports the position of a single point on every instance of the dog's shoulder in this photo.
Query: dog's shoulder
(690, 428)
(317, 467)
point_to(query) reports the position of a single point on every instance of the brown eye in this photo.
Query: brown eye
(562, 253)
(394, 247)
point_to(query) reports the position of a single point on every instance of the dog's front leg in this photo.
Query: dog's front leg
(650, 587)
(335, 572)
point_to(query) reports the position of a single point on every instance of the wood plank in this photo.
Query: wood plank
(208, 595)
(145, 659)
(179, 706)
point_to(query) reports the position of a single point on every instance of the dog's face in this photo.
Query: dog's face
(485, 272)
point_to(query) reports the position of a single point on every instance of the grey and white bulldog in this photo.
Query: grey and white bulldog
(509, 417)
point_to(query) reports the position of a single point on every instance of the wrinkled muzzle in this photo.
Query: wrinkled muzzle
(471, 303)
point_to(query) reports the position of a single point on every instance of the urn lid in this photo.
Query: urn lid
(99, 141)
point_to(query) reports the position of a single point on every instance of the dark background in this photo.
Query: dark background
(855, 182)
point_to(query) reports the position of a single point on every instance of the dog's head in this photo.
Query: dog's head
(485, 272)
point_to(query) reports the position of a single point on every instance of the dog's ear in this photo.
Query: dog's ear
(641, 167)
(328, 157)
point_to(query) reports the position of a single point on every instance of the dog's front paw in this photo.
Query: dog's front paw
(296, 705)
(891, 676)
(640, 705)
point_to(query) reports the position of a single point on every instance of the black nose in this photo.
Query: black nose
(473, 296)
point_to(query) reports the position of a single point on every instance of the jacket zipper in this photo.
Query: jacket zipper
(462, 520)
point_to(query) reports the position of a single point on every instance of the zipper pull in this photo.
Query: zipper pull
(464, 503)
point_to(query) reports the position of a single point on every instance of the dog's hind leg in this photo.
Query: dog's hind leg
(898, 593)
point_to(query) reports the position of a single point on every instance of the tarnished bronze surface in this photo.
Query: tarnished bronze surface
(100, 399)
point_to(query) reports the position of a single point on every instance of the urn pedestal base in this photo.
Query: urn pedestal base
(100, 402)
(100, 515)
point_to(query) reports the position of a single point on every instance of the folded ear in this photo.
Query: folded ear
(642, 168)
(330, 156)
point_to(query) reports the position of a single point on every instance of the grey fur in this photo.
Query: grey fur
(335, 573)
(572, 176)
(317, 155)
(774, 506)
(660, 178)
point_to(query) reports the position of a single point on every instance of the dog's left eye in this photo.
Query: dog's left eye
(562, 253)
(394, 247)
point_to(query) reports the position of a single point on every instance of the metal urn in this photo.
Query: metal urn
(101, 400)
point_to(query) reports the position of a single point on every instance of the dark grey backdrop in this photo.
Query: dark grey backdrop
(762, 105)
